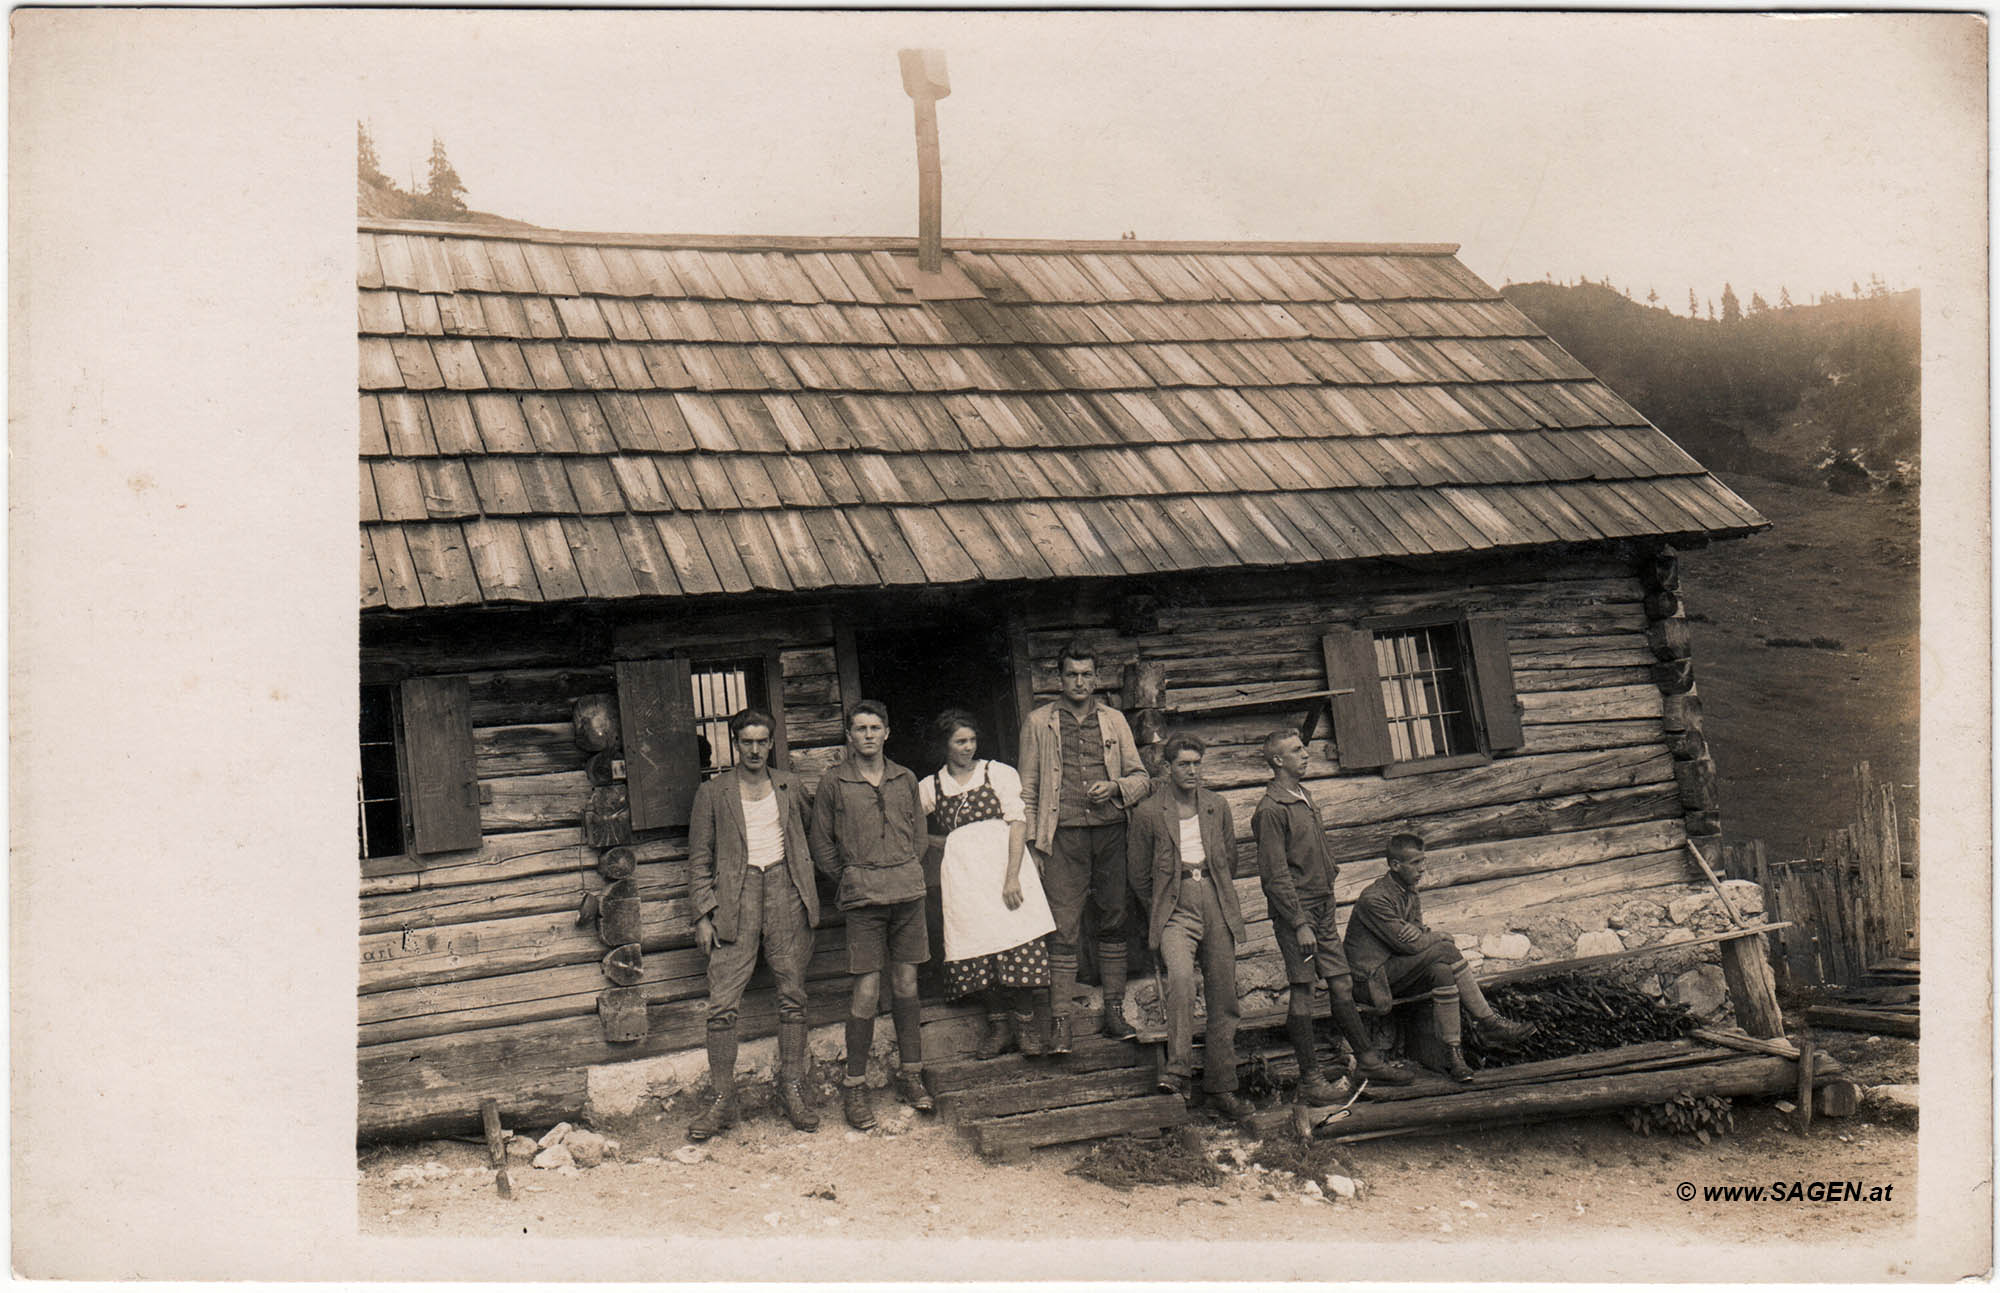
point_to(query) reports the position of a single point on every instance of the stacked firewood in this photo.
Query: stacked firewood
(1578, 1015)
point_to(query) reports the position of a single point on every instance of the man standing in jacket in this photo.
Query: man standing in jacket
(1298, 871)
(1185, 840)
(1080, 771)
(1396, 953)
(751, 881)
(868, 834)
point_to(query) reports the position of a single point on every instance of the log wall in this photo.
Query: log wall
(476, 976)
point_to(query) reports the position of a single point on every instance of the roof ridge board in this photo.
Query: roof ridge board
(863, 243)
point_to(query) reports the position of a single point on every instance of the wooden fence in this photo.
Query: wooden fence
(1853, 904)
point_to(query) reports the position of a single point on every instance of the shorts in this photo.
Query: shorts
(895, 933)
(1328, 958)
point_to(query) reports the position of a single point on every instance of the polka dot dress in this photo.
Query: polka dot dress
(1025, 965)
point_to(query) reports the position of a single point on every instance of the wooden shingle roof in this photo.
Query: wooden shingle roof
(549, 416)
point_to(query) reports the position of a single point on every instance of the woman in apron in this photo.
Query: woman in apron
(996, 918)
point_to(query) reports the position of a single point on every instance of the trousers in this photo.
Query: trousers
(1197, 932)
(771, 918)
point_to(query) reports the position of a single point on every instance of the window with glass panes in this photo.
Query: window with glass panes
(379, 788)
(1425, 695)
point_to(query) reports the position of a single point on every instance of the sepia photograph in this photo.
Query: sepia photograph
(1116, 645)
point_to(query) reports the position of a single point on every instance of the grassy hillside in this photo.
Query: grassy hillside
(1809, 394)
(1805, 647)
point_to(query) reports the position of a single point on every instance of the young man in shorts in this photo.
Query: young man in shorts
(1298, 870)
(868, 834)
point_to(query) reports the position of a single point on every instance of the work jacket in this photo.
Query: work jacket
(1041, 766)
(719, 849)
(1387, 922)
(1153, 845)
(868, 837)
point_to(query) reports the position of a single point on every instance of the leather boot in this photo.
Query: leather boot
(997, 1036)
(1382, 1072)
(1032, 1032)
(1315, 1089)
(1496, 1032)
(791, 1075)
(1114, 1025)
(1456, 1066)
(720, 1115)
(858, 1106)
(1059, 1035)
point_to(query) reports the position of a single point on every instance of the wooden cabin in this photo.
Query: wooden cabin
(614, 487)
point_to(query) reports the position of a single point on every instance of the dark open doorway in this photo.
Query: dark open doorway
(922, 662)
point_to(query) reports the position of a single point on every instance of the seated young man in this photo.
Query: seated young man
(1184, 842)
(1390, 947)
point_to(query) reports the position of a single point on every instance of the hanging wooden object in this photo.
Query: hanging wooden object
(624, 964)
(617, 863)
(607, 817)
(622, 1014)
(595, 721)
(618, 919)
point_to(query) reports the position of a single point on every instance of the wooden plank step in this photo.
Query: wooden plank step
(1036, 1094)
(1087, 1055)
(1861, 1019)
(1011, 1137)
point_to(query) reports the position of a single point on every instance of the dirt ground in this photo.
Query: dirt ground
(913, 1177)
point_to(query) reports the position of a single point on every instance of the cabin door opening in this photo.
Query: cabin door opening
(920, 662)
(921, 665)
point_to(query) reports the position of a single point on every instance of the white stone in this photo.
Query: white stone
(555, 1157)
(1703, 990)
(1505, 947)
(690, 1155)
(554, 1135)
(1650, 985)
(1599, 942)
(1465, 941)
(1341, 1187)
(773, 1218)
(1312, 1190)
(522, 1147)
(1681, 908)
(1898, 1096)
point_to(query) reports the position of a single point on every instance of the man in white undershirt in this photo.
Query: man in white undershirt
(1185, 840)
(751, 882)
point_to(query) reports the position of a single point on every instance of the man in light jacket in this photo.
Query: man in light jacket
(751, 881)
(1080, 772)
(1185, 839)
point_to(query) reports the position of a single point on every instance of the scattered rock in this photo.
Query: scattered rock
(1445, 1226)
(1650, 985)
(1312, 1190)
(554, 1135)
(1465, 942)
(1552, 931)
(934, 1207)
(1469, 1203)
(773, 1218)
(1342, 1187)
(522, 1147)
(1504, 947)
(1599, 942)
(555, 1157)
(691, 1154)
(586, 1147)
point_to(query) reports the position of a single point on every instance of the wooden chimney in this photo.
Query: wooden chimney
(924, 80)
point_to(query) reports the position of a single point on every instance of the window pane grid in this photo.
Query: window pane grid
(721, 688)
(1423, 693)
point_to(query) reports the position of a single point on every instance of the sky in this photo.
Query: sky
(1663, 152)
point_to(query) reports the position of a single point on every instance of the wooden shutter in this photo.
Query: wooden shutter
(437, 755)
(1493, 679)
(1360, 724)
(662, 759)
